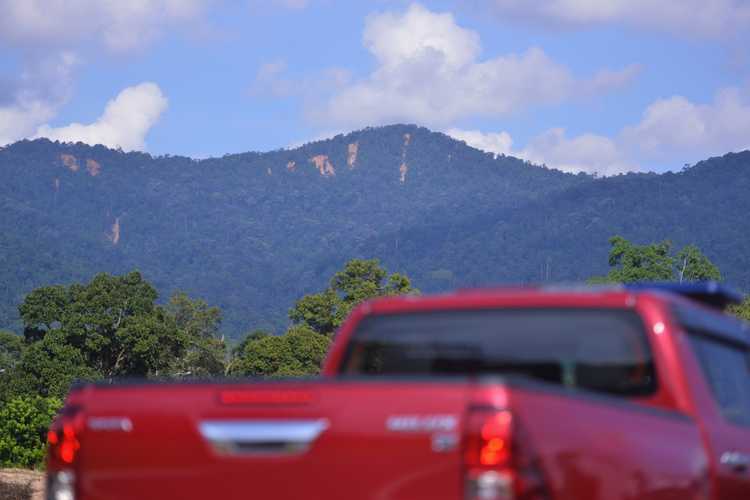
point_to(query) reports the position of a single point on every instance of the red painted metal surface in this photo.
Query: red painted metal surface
(399, 439)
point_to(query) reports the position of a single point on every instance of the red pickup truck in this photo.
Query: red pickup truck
(510, 394)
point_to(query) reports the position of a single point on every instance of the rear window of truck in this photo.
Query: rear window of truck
(604, 350)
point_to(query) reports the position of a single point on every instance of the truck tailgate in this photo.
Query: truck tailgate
(280, 440)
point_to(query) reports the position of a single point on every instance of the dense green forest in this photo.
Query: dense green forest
(252, 232)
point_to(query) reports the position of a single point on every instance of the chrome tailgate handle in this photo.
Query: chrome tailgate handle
(247, 437)
(735, 460)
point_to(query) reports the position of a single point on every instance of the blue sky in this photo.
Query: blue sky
(607, 86)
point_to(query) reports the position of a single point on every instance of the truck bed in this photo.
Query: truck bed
(363, 438)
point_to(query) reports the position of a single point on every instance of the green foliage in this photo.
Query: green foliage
(742, 310)
(249, 337)
(319, 311)
(112, 322)
(48, 367)
(194, 317)
(692, 265)
(205, 351)
(360, 280)
(42, 309)
(632, 263)
(147, 345)
(298, 352)
(225, 230)
(107, 327)
(23, 427)
(11, 348)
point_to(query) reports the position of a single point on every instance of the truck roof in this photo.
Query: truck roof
(709, 294)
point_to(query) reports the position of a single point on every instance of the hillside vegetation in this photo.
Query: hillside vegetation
(252, 232)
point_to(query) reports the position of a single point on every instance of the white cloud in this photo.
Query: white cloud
(493, 142)
(677, 126)
(588, 153)
(125, 122)
(398, 38)
(671, 132)
(429, 72)
(713, 18)
(61, 26)
(121, 25)
(35, 96)
(19, 120)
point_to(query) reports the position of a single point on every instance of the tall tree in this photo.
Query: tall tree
(692, 265)
(298, 352)
(653, 262)
(360, 280)
(11, 348)
(205, 353)
(48, 367)
(112, 323)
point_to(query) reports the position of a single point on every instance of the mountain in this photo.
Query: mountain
(252, 232)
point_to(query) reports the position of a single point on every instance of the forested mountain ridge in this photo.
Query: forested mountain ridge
(252, 232)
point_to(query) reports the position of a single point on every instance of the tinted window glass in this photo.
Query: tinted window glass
(727, 371)
(598, 349)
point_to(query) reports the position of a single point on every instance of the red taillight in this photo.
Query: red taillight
(63, 438)
(488, 440)
(69, 445)
(63, 443)
(499, 461)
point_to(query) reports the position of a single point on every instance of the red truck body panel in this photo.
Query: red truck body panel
(400, 438)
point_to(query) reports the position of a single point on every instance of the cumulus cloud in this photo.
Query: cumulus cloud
(119, 25)
(35, 96)
(678, 126)
(671, 132)
(713, 18)
(492, 142)
(429, 71)
(589, 153)
(125, 122)
(44, 27)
